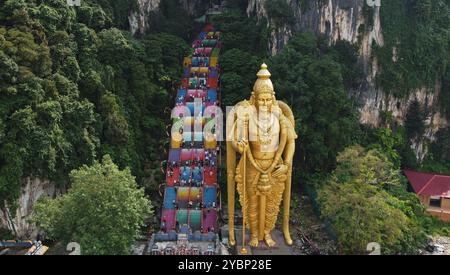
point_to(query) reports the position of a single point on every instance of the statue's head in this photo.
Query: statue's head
(263, 94)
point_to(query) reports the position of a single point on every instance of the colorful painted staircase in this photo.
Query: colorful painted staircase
(189, 220)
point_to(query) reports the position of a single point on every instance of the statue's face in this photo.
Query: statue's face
(264, 102)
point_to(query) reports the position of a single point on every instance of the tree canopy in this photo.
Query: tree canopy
(73, 87)
(102, 211)
(365, 200)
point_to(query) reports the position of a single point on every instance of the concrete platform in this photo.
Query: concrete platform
(279, 249)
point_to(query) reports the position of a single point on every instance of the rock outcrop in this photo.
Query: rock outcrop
(348, 20)
(140, 20)
(18, 222)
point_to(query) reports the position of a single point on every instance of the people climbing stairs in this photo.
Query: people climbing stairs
(189, 219)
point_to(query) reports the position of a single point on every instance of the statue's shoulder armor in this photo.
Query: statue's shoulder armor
(243, 103)
(290, 120)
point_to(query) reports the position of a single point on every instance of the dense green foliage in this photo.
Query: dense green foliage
(445, 96)
(389, 143)
(74, 87)
(117, 10)
(418, 31)
(415, 120)
(415, 55)
(366, 200)
(309, 76)
(240, 32)
(103, 210)
(313, 77)
(279, 12)
(171, 18)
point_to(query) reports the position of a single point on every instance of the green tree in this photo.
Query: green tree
(361, 214)
(445, 93)
(387, 142)
(170, 18)
(238, 31)
(279, 11)
(239, 69)
(366, 201)
(73, 86)
(415, 120)
(366, 167)
(441, 147)
(102, 211)
(115, 125)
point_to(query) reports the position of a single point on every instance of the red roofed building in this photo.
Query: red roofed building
(433, 191)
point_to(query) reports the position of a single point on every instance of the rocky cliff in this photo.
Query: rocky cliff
(140, 20)
(18, 222)
(350, 20)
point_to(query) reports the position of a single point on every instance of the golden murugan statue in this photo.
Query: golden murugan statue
(262, 131)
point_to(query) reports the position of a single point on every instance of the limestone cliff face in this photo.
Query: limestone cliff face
(337, 19)
(375, 101)
(346, 20)
(139, 20)
(32, 190)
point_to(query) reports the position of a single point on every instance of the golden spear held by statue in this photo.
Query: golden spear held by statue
(244, 156)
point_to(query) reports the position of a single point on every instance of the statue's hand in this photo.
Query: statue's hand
(280, 170)
(242, 145)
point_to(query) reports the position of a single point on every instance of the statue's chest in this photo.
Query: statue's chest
(264, 133)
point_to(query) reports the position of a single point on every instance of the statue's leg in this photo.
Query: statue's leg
(286, 209)
(253, 219)
(272, 210)
(252, 208)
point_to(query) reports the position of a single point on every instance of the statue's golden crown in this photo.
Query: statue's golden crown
(263, 84)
